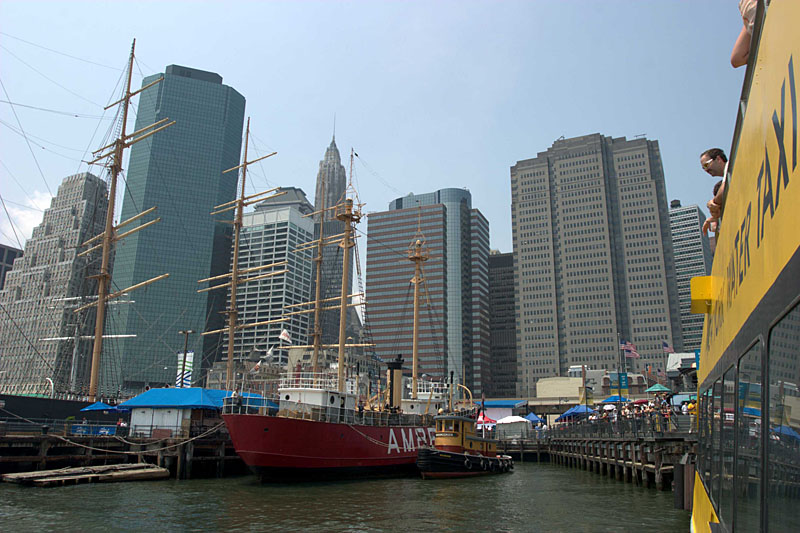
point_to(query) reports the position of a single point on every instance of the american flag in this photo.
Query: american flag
(667, 348)
(630, 349)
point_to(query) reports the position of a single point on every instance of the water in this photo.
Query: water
(536, 497)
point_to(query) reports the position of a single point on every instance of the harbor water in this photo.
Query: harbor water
(535, 497)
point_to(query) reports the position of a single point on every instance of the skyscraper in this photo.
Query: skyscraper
(453, 334)
(7, 256)
(502, 325)
(43, 342)
(180, 172)
(332, 179)
(592, 257)
(692, 258)
(271, 234)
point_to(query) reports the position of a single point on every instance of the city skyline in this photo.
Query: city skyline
(451, 110)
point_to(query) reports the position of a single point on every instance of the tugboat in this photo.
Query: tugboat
(458, 451)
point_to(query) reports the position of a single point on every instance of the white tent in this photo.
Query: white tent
(513, 427)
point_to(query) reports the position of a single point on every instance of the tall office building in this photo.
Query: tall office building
(180, 171)
(7, 256)
(43, 342)
(330, 191)
(592, 257)
(271, 234)
(453, 336)
(502, 325)
(692, 258)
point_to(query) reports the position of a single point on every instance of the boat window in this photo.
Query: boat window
(748, 426)
(716, 430)
(456, 426)
(727, 441)
(783, 442)
(448, 425)
(439, 426)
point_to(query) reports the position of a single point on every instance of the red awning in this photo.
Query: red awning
(483, 419)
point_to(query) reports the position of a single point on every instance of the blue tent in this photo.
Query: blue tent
(614, 399)
(576, 411)
(787, 431)
(99, 406)
(190, 398)
(533, 418)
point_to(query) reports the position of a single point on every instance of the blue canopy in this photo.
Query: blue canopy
(533, 418)
(190, 398)
(614, 399)
(575, 411)
(99, 406)
(787, 431)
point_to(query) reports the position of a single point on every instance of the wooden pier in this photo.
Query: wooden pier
(90, 474)
(662, 459)
(211, 456)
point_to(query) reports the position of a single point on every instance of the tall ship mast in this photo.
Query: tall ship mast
(109, 237)
(323, 427)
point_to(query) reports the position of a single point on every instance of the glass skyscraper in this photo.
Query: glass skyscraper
(454, 318)
(178, 170)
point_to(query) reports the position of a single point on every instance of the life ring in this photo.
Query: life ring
(467, 463)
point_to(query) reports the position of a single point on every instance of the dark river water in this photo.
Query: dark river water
(535, 497)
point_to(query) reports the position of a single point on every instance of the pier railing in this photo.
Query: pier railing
(651, 426)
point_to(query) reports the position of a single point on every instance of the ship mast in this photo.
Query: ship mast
(235, 274)
(417, 255)
(109, 235)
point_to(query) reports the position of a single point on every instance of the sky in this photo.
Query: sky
(431, 95)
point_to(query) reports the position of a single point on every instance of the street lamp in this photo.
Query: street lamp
(185, 334)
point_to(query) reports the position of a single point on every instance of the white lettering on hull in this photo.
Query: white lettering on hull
(412, 439)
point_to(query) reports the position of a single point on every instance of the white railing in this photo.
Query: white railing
(434, 388)
(314, 380)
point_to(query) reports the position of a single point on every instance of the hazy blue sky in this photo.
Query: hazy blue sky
(430, 94)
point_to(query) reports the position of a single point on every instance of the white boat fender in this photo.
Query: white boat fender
(467, 463)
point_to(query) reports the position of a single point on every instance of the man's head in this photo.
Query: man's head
(713, 161)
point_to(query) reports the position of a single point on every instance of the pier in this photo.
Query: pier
(198, 452)
(657, 451)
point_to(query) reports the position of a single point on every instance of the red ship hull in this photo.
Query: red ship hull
(278, 448)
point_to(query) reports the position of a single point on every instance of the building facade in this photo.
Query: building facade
(593, 258)
(271, 234)
(7, 256)
(330, 190)
(502, 326)
(45, 347)
(180, 171)
(454, 304)
(692, 258)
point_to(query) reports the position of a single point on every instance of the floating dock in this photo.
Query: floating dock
(89, 474)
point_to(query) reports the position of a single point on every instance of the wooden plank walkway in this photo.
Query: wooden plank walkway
(90, 474)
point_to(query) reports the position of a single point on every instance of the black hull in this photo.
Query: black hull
(433, 463)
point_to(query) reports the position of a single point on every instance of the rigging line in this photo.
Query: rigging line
(404, 255)
(26, 138)
(25, 206)
(17, 181)
(4, 234)
(14, 321)
(378, 176)
(10, 222)
(58, 52)
(110, 128)
(73, 93)
(57, 112)
(21, 134)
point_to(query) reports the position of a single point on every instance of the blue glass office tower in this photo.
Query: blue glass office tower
(179, 170)
(454, 315)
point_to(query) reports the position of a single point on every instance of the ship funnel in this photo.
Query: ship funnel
(395, 382)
